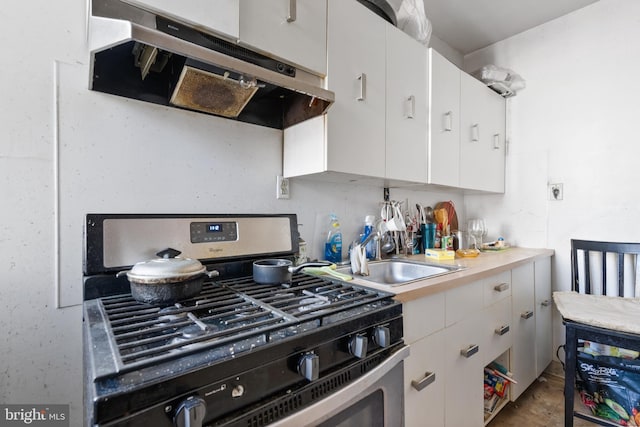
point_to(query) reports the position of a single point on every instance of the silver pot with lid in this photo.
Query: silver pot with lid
(167, 279)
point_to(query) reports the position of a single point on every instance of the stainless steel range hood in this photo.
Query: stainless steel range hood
(143, 55)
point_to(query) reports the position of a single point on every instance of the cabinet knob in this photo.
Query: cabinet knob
(358, 346)
(527, 314)
(429, 378)
(309, 366)
(469, 351)
(545, 303)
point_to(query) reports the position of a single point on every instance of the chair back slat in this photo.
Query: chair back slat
(605, 257)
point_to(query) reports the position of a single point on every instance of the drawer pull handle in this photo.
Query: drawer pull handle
(502, 330)
(545, 303)
(293, 12)
(527, 315)
(362, 78)
(448, 121)
(429, 378)
(469, 351)
(501, 287)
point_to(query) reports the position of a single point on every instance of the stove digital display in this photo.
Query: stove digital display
(214, 228)
(213, 232)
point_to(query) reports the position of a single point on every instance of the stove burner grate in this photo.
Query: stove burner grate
(227, 312)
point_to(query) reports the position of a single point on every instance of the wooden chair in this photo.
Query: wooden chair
(598, 268)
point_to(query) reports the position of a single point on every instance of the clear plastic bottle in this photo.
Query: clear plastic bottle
(368, 228)
(333, 244)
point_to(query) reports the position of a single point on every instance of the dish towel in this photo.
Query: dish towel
(359, 264)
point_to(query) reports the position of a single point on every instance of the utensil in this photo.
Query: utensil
(277, 271)
(167, 279)
(388, 244)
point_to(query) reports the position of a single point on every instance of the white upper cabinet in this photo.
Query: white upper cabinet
(444, 121)
(220, 16)
(482, 139)
(406, 108)
(356, 74)
(466, 130)
(292, 30)
(350, 138)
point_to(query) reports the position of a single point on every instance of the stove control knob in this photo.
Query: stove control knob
(358, 346)
(382, 336)
(309, 366)
(190, 412)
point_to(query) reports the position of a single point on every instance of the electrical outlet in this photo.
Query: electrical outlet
(555, 192)
(282, 187)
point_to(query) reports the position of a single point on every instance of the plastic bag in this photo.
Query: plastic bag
(413, 21)
(610, 387)
(502, 80)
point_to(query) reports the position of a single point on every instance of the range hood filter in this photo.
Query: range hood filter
(203, 91)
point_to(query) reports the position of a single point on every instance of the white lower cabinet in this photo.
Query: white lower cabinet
(464, 373)
(523, 352)
(424, 382)
(544, 314)
(454, 334)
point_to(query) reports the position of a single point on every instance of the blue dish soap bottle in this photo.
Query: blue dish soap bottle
(368, 228)
(333, 244)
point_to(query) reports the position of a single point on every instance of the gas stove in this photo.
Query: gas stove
(238, 353)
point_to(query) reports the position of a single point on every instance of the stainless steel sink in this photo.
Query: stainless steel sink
(396, 272)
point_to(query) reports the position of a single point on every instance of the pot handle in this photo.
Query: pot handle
(297, 268)
(168, 253)
(122, 273)
(212, 273)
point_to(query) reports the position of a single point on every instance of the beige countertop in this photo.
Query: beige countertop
(484, 265)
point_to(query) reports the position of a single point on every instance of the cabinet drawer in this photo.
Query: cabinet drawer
(497, 329)
(462, 302)
(497, 288)
(424, 380)
(422, 317)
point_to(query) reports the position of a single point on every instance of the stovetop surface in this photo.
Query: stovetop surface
(227, 318)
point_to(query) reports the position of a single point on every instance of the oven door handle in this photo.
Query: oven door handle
(341, 399)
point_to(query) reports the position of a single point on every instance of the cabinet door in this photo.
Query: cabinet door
(406, 101)
(481, 136)
(292, 30)
(356, 73)
(444, 121)
(523, 354)
(220, 16)
(463, 390)
(544, 311)
(424, 382)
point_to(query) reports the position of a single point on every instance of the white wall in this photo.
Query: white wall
(576, 123)
(66, 152)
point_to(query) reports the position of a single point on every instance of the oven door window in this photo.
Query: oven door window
(368, 411)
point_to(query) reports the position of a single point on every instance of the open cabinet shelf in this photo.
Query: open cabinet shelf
(494, 403)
